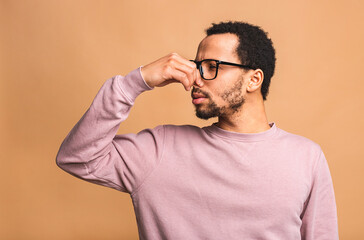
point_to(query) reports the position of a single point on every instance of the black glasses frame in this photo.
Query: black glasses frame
(218, 62)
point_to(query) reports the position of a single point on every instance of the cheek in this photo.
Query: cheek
(217, 95)
(232, 93)
(218, 88)
(219, 91)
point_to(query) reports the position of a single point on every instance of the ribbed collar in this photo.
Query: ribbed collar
(249, 137)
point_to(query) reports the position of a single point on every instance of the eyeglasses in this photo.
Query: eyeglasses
(209, 67)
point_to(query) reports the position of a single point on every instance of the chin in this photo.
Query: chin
(204, 117)
(206, 114)
(208, 110)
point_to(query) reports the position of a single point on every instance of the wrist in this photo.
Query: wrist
(144, 75)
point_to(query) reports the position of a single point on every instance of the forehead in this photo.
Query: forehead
(218, 46)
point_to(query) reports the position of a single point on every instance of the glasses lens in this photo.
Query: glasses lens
(209, 69)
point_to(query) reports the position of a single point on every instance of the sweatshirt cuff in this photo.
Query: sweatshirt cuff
(133, 84)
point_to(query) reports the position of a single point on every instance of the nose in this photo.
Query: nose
(199, 82)
(198, 75)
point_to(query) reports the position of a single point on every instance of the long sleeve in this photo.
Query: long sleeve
(319, 217)
(93, 152)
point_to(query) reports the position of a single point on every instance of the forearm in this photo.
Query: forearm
(91, 138)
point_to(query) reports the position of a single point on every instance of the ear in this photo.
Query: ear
(255, 80)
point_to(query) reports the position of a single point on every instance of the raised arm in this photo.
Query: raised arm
(92, 151)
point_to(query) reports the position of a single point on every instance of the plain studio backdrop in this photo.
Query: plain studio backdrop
(55, 56)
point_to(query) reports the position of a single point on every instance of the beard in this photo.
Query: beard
(211, 110)
(233, 96)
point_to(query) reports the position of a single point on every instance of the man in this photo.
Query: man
(240, 178)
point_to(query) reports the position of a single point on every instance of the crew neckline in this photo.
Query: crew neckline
(260, 136)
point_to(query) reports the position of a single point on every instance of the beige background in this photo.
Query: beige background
(56, 54)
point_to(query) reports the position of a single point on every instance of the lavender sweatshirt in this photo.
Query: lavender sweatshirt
(187, 182)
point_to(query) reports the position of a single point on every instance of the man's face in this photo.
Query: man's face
(223, 96)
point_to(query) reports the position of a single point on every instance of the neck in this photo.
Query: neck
(251, 118)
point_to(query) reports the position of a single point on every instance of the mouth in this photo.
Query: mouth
(198, 98)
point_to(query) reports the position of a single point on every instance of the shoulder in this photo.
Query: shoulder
(303, 151)
(182, 129)
(183, 132)
(171, 130)
(298, 143)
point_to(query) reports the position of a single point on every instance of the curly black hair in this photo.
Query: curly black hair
(255, 48)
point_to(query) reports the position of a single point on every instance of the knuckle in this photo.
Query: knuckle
(173, 55)
(166, 69)
(189, 77)
(183, 75)
(171, 61)
(184, 78)
(192, 72)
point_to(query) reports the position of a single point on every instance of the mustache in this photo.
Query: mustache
(199, 91)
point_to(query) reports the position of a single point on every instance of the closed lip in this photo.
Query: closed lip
(197, 95)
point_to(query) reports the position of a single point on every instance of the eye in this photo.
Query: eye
(212, 66)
